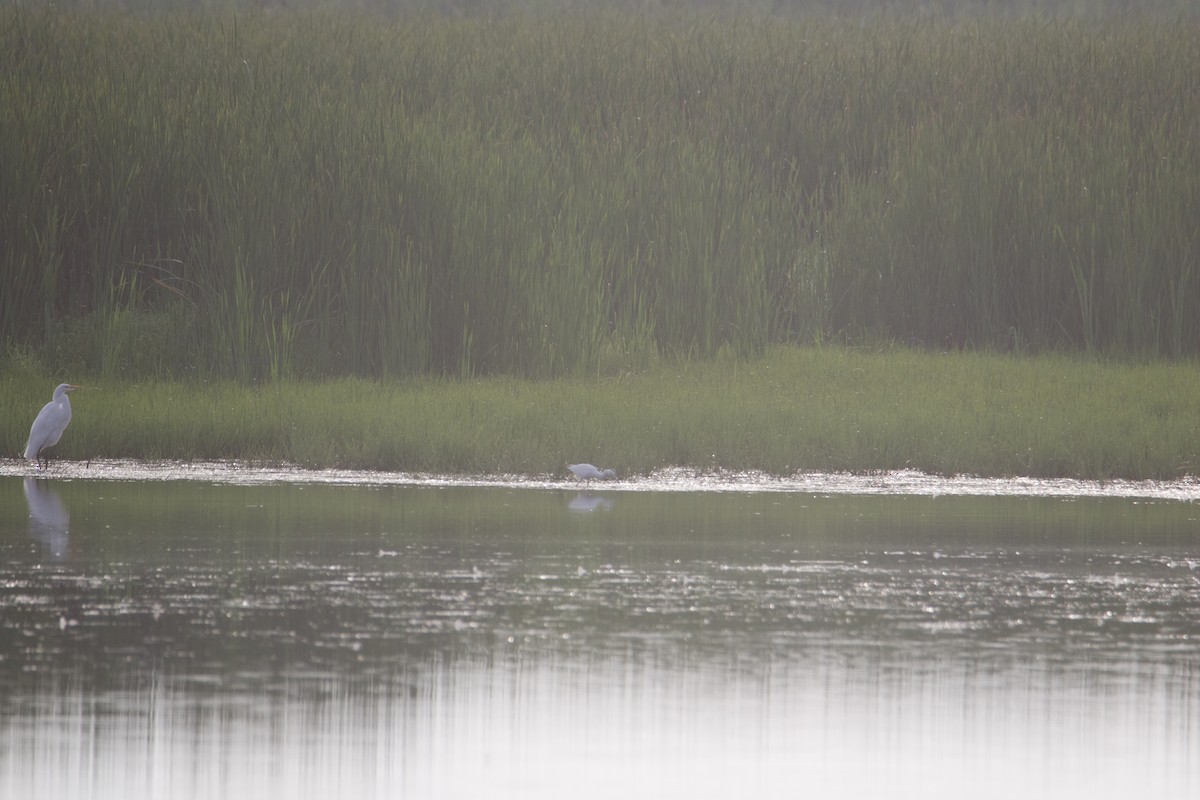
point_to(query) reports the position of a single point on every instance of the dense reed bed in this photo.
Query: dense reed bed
(792, 410)
(259, 195)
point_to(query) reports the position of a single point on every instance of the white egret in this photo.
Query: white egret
(586, 472)
(49, 426)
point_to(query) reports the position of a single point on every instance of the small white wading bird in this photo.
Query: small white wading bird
(49, 426)
(586, 472)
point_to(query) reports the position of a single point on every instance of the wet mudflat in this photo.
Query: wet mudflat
(274, 637)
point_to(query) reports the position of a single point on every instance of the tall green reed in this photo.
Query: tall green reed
(345, 193)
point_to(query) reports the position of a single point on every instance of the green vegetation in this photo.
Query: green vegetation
(792, 410)
(295, 230)
(318, 194)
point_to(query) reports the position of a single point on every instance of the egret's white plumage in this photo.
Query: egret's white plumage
(48, 428)
(586, 472)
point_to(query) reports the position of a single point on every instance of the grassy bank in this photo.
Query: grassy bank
(279, 195)
(795, 409)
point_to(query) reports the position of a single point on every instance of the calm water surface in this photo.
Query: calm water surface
(186, 639)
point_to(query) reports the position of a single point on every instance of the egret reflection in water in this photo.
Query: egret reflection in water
(586, 503)
(48, 518)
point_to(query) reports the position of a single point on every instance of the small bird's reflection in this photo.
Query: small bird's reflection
(586, 503)
(48, 518)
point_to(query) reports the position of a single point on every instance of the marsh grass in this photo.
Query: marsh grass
(788, 411)
(347, 193)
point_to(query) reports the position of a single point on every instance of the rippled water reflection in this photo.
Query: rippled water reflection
(190, 639)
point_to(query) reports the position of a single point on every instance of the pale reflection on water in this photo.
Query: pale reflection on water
(295, 642)
(555, 724)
